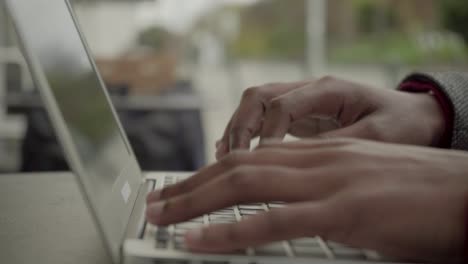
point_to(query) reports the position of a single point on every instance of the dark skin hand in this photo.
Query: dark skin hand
(403, 201)
(332, 107)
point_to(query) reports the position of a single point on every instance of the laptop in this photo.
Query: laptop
(105, 166)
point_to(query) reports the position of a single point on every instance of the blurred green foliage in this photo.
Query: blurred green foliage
(275, 29)
(371, 18)
(91, 123)
(156, 38)
(398, 48)
(455, 16)
(389, 43)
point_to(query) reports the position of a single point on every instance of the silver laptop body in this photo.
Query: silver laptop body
(99, 153)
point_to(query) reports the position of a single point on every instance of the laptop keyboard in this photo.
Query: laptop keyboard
(172, 237)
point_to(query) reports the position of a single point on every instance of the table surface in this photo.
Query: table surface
(43, 219)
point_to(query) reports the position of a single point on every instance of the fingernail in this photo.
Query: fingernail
(155, 210)
(193, 236)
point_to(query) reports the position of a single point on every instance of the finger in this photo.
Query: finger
(299, 220)
(219, 143)
(248, 120)
(303, 128)
(203, 175)
(300, 158)
(222, 145)
(321, 142)
(245, 185)
(325, 98)
(295, 105)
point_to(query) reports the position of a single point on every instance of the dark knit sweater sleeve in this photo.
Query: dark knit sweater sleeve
(454, 85)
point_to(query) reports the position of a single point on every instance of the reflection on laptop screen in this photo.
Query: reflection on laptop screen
(78, 92)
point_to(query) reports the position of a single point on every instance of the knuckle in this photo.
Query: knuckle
(241, 131)
(172, 206)
(251, 92)
(328, 86)
(327, 79)
(235, 159)
(240, 178)
(271, 85)
(259, 91)
(278, 105)
(235, 129)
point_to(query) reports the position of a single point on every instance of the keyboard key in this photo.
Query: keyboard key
(249, 212)
(162, 234)
(162, 237)
(215, 217)
(173, 262)
(188, 225)
(308, 252)
(179, 232)
(222, 220)
(345, 252)
(257, 207)
(224, 212)
(178, 239)
(305, 242)
(215, 262)
(275, 249)
(349, 254)
(180, 246)
(276, 205)
(200, 220)
(335, 245)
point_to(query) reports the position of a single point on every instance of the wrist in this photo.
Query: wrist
(435, 120)
(426, 119)
(439, 111)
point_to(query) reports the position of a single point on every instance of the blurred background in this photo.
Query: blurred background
(176, 68)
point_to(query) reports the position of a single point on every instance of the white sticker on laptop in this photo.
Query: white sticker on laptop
(126, 192)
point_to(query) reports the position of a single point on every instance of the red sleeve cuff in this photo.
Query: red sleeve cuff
(444, 103)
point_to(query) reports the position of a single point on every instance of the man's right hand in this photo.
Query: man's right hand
(331, 107)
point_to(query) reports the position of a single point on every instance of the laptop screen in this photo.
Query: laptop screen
(80, 110)
(77, 90)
